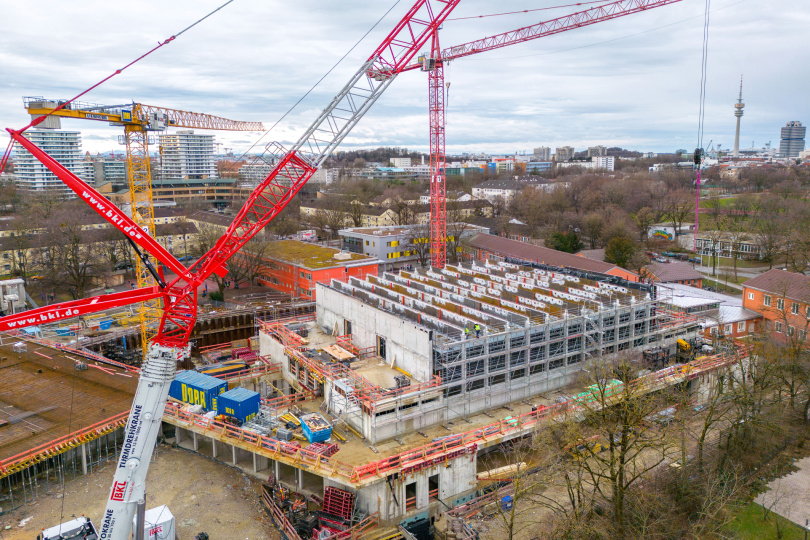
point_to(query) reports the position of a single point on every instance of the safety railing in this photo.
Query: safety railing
(357, 530)
(283, 451)
(62, 444)
(279, 519)
(441, 451)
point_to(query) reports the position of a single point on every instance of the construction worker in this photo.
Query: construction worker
(466, 332)
(477, 330)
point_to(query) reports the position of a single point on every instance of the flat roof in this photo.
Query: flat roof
(398, 230)
(685, 296)
(313, 256)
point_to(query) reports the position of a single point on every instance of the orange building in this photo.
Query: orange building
(295, 267)
(783, 299)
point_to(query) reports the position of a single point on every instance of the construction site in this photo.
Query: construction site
(365, 413)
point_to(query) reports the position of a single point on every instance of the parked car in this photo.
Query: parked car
(661, 260)
(695, 260)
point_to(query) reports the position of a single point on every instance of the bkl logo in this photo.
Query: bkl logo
(118, 491)
(154, 531)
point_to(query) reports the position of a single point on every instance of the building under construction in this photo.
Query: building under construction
(420, 372)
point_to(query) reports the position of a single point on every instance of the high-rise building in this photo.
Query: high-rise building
(186, 155)
(542, 153)
(564, 154)
(738, 112)
(65, 147)
(110, 170)
(597, 151)
(791, 142)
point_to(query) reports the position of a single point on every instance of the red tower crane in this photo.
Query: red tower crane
(434, 65)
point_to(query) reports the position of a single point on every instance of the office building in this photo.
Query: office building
(65, 147)
(187, 155)
(401, 162)
(791, 141)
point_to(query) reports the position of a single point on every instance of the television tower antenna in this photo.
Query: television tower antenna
(738, 112)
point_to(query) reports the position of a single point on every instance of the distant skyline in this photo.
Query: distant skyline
(631, 82)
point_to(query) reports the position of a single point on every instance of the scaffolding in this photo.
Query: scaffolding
(537, 327)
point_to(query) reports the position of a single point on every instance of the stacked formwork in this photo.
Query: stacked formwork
(537, 327)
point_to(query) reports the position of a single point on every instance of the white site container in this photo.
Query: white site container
(159, 524)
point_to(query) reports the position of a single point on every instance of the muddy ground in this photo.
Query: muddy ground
(204, 496)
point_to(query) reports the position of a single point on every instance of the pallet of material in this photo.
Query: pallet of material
(323, 449)
(315, 427)
(338, 353)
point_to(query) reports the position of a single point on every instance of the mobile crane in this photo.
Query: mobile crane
(179, 296)
(292, 170)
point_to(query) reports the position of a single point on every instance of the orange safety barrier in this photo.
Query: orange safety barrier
(285, 401)
(258, 371)
(446, 448)
(358, 530)
(57, 446)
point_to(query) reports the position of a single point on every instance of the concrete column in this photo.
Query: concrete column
(84, 458)
(233, 451)
(276, 471)
(196, 445)
(214, 447)
(177, 432)
(299, 479)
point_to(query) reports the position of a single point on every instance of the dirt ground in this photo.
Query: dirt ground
(202, 494)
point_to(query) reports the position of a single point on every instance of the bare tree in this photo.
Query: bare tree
(419, 239)
(678, 207)
(75, 260)
(644, 219)
(616, 409)
(249, 263)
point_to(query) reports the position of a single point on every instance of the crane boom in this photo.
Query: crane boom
(148, 116)
(587, 17)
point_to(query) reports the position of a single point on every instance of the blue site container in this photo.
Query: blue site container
(197, 389)
(239, 403)
(315, 427)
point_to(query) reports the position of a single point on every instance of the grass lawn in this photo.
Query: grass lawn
(749, 525)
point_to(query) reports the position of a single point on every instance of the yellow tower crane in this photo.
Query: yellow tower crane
(138, 120)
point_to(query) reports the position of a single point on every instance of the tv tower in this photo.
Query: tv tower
(738, 112)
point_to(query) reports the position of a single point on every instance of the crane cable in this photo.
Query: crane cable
(703, 75)
(61, 106)
(314, 86)
(526, 10)
(698, 158)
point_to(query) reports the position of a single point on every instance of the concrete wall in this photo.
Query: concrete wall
(456, 478)
(407, 344)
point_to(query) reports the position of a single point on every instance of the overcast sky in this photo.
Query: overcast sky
(631, 82)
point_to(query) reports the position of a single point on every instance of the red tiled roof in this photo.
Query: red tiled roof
(543, 255)
(671, 272)
(782, 283)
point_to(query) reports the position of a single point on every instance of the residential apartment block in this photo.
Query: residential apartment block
(783, 299)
